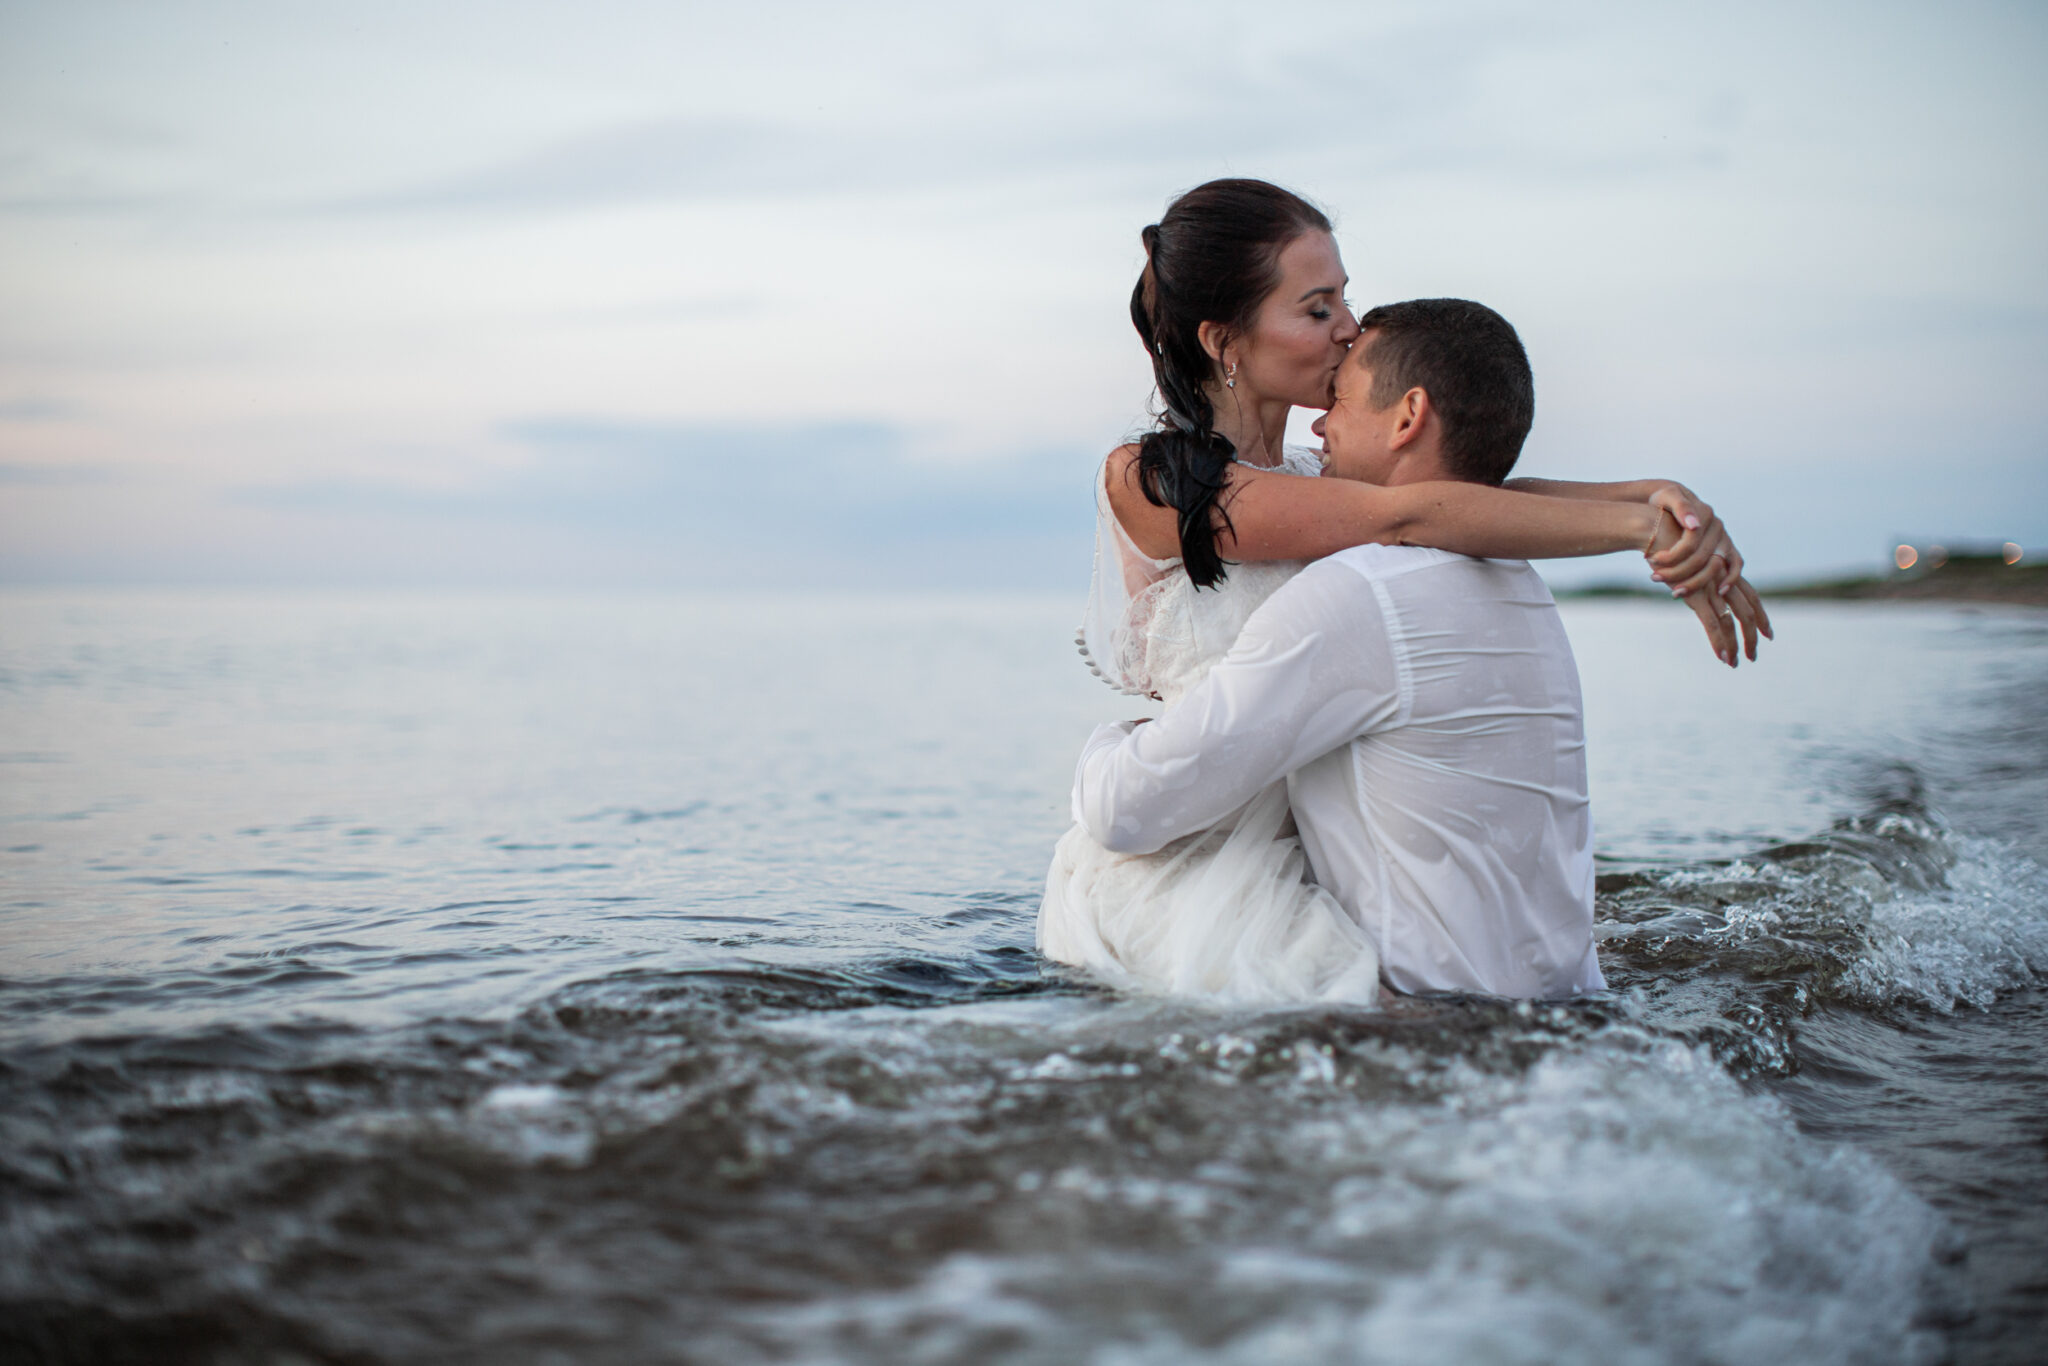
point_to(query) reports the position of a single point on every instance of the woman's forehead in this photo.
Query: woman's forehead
(1312, 260)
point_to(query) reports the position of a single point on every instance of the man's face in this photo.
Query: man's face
(1354, 435)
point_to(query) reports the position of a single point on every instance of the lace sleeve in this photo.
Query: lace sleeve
(1305, 460)
(1121, 578)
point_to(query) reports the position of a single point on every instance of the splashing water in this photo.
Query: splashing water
(570, 981)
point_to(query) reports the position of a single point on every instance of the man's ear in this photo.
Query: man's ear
(1213, 337)
(1412, 415)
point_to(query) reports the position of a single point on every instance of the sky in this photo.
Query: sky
(615, 295)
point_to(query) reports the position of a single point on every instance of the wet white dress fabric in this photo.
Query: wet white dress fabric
(1424, 711)
(1226, 912)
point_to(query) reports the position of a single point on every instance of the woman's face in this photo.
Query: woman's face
(1303, 329)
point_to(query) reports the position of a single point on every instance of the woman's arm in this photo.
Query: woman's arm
(1286, 517)
(1281, 516)
(1620, 491)
(1276, 516)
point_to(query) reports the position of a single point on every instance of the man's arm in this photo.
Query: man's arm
(1312, 670)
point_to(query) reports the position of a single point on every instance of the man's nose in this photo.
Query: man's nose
(1317, 425)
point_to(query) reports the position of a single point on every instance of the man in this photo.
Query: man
(1423, 706)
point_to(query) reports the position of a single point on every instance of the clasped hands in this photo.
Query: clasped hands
(1691, 553)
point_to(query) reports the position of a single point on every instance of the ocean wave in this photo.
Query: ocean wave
(1886, 909)
(1047, 1176)
(1621, 1200)
(1984, 933)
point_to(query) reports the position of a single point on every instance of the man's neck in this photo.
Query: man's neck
(1420, 466)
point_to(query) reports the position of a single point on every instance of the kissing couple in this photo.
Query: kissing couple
(1371, 766)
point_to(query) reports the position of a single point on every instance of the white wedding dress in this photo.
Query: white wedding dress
(1228, 914)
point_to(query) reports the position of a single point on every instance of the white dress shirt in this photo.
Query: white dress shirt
(1424, 708)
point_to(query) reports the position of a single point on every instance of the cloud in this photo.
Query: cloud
(1096, 121)
(791, 504)
(37, 475)
(685, 160)
(38, 410)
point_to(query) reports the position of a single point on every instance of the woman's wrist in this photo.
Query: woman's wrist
(1646, 521)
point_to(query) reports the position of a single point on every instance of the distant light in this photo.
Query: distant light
(1905, 557)
(1937, 556)
(2012, 553)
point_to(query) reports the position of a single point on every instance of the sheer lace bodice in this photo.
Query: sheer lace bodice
(1150, 631)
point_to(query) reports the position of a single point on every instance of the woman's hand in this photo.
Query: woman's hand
(1721, 616)
(1720, 612)
(1732, 593)
(1688, 565)
(1748, 609)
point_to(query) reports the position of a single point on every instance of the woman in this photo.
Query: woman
(1241, 307)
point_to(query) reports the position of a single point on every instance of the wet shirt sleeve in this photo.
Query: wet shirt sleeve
(1313, 669)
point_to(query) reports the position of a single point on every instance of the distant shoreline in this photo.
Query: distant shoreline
(1981, 579)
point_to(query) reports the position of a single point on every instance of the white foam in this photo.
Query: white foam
(531, 1124)
(1984, 933)
(1623, 1201)
(514, 1096)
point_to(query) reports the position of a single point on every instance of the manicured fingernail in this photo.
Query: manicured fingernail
(1659, 578)
(1692, 523)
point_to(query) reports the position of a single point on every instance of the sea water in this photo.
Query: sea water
(407, 979)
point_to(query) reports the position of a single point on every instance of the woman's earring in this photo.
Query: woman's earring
(1230, 376)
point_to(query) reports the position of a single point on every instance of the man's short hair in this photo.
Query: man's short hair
(1469, 361)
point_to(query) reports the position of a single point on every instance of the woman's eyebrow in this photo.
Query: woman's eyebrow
(1325, 289)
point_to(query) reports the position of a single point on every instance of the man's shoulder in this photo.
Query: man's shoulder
(1420, 565)
(1353, 582)
(1392, 561)
(1387, 561)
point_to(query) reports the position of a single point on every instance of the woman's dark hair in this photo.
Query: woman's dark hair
(1213, 257)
